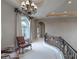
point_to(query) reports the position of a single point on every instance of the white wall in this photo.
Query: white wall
(8, 24)
(64, 27)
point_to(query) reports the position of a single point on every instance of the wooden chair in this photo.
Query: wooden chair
(22, 43)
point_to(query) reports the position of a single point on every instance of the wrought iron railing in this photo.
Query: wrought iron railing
(59, 42)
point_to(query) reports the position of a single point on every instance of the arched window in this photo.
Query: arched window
(25, 27)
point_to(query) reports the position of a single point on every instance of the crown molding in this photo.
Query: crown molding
(62, 14)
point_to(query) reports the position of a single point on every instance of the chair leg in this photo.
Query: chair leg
(22, 50)
(19, 50)
(31, 47)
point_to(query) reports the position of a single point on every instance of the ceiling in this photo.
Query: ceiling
(49, 6)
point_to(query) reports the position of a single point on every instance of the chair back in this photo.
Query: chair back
(20, 40)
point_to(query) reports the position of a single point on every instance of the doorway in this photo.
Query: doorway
(40, 30)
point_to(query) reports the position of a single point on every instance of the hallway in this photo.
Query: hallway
(41, 50)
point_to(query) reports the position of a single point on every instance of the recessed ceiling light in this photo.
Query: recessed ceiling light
(65, 11)
(53, 12)
(69, 2)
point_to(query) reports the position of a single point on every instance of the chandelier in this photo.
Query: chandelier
(28, 6)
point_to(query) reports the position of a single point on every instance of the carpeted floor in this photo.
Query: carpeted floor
(41, 50)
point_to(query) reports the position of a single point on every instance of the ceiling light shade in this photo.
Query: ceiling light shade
(27, 2)
(23, 3)
(35, 6)
(32, 4)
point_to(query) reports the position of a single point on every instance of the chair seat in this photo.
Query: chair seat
(24, 45)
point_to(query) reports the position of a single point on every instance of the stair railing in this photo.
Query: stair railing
(68, 51)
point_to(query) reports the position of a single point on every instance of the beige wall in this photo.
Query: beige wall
(8, 25)
(64, 27)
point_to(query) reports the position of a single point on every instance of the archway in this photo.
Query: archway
(40, 29)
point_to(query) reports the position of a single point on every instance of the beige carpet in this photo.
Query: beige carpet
(41, 50)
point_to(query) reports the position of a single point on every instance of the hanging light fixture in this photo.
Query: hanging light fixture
(28, 6)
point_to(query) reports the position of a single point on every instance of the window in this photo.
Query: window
(25, 27)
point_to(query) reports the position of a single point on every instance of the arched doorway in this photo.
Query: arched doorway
(40, 29)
